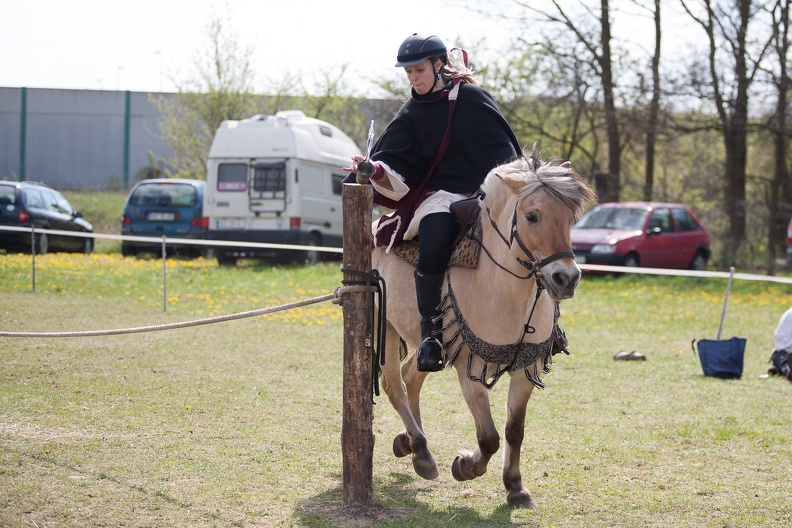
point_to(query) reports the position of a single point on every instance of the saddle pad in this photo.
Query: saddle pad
(465, 255)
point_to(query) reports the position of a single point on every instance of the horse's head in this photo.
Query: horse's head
(539, 201)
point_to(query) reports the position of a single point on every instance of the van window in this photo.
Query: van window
(270, 180)
(232, 177)
(163, 194)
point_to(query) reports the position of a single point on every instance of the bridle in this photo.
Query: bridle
(532, 264)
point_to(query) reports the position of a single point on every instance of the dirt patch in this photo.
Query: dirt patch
(358, 516)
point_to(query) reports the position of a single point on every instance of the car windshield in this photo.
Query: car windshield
(164, 194)
(613, 218)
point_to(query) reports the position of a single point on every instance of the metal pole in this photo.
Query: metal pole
(22, 134)
(33, 254)
(726, 301)
(127, 120)
(357, 435)
(164, 278)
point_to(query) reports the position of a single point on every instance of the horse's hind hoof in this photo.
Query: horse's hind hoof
(401, 445)
(461, 469)
(521, 499)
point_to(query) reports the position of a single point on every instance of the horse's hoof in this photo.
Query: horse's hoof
(458, 471)
(401, 446)
(521, 499)
(425, 467)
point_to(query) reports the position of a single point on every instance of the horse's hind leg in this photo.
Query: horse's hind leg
(520, 390)
(468, 466)
(402, 396)
(413, 381)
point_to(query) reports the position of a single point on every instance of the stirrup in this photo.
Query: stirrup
(429, 356)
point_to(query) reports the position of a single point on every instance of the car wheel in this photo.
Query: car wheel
(127, 250)
(631, 261)
(42, 244)
(224, 259)
(87, 246)
(699, 262)
(313, 256)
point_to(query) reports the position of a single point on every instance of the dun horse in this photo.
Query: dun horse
(500, 316)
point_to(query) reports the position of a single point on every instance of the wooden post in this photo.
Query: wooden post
(357, 434)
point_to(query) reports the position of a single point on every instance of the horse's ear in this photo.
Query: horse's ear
(512, 182)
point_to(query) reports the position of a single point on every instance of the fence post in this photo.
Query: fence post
(357, 435)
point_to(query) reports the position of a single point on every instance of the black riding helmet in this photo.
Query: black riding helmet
(417, 48)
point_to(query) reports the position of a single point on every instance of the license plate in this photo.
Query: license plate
(580, 260)
(161, 217)
(230, 224)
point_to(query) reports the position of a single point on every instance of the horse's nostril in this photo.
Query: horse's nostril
(561, 279)
(566, 279)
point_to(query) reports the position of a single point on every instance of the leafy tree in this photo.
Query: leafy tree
(733, 58)
(220, 89)
(780, 194)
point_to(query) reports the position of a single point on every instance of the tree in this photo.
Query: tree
(584, 44)
(780, 199)
(732, 64)
(652, 123)
(221, 89)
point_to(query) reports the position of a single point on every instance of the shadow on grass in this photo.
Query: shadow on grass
(327, 509)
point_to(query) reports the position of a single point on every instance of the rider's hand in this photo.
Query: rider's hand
(363, 178)
(353, 168)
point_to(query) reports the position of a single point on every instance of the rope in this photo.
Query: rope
(335, 296)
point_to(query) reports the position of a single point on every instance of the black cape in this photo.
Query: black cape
(480, 140)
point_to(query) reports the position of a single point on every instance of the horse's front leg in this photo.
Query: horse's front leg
(468, 466)
(520, 390)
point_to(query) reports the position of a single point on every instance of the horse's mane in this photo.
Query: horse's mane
(559, 181)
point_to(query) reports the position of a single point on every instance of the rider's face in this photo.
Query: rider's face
(422, 76)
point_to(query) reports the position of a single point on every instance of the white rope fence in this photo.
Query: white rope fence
(335, 297)
(686, 273)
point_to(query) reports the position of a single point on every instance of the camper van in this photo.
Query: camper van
(276, 179)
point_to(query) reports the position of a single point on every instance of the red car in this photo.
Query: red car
(646, 234)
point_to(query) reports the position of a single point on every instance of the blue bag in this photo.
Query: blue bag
(722, 358)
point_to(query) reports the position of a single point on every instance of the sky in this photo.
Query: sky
(143, 45)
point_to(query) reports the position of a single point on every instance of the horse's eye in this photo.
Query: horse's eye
(532, 218)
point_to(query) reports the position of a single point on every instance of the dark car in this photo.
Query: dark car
(30, 204)
(647, 234)
(167, 206)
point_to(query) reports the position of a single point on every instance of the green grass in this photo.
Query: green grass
(239, 423)
(103, 209)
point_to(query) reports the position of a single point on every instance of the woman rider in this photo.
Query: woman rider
(478, 139)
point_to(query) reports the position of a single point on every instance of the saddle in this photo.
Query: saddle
(466, 246)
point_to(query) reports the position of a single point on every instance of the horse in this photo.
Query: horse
(498, 317)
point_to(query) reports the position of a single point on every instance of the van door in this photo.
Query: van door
(268, 187)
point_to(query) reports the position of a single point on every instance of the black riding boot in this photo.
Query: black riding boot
(430, 352)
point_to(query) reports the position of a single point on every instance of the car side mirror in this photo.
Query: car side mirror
(77, 215)
(653, 231)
